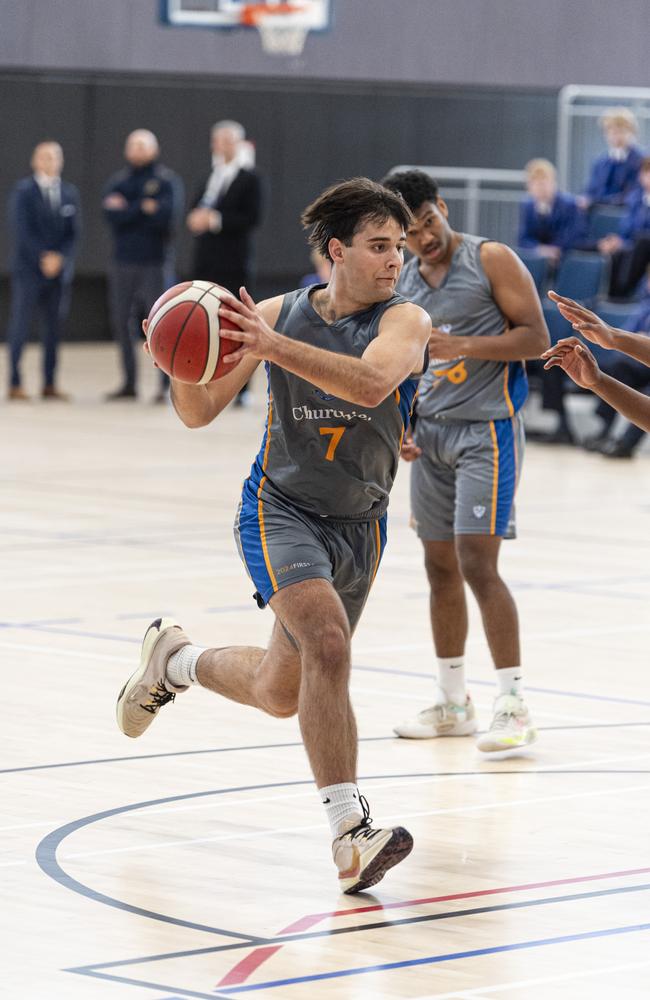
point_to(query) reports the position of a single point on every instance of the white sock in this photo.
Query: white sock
(342, 807)
(510, 680)
(451, 678)
(181, 666)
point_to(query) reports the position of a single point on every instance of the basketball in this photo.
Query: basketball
(185, 333)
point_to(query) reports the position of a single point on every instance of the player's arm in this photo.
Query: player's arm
(513, 290)
(393, 355)
(198, 405)
(591, 326)
(575, 358)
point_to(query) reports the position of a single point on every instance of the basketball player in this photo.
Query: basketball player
(467, 453)
(311, 524)
(574, 358)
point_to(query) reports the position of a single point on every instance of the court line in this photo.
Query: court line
(248, 965)
(436, 959)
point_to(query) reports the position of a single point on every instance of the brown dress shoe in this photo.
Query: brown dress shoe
(49, 392)
(17, 392)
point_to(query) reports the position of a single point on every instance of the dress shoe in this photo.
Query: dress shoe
(617, 449)
(17, 392)
(49, 392)
(126, 392)
(560, 436)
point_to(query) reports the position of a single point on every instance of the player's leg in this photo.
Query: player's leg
(488, 472)
(433, 494)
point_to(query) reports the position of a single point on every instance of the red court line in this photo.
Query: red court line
(248, 965)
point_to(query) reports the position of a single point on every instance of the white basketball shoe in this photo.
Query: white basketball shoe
(445, 718)
(363, 855)
(148, 689)
(511, 727)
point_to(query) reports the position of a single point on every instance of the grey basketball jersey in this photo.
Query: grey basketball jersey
(321, 453)
(465, 388)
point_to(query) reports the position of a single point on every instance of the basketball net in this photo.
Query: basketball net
(282, 27)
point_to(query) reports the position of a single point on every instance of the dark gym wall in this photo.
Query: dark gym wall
(306, 137)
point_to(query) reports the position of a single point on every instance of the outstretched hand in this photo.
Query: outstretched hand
(253, 331)
(410, 451)
(574, 358)
(585, 321)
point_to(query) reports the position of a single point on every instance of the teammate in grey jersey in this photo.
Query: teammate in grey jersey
(467, 452)
(311, 524)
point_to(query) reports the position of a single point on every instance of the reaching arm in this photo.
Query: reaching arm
(514, 292)
(586, 322)
(575, 358)
(391, 357)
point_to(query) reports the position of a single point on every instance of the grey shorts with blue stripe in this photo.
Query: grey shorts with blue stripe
(465, 480)
(281, 545)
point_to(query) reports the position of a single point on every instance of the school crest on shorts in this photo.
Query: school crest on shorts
(479, 510)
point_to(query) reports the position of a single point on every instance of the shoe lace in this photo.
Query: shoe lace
(501, 721)
(363, 829)
(159, 696)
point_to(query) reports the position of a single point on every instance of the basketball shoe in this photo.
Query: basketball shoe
(148, 689)
(363, 855)
(445, 718)
(511, 726)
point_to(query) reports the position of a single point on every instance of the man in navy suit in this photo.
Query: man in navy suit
(614, 174)
(550, 221)
(630, 247)
(225, 212)
(45, 220)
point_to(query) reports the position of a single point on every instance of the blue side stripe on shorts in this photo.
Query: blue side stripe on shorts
(517, 384)
(250, 538)
(507, 473)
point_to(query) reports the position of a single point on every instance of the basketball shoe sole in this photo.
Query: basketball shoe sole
(148, 689)
(371, 854)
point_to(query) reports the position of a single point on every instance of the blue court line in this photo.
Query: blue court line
(436, 959)
(537, 690)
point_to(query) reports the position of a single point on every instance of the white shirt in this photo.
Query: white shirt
(222, 176)
(50, 189)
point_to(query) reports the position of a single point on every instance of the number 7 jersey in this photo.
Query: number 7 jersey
(321, 453)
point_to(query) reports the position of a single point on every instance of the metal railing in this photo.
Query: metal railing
(579, 139)
(481, 202)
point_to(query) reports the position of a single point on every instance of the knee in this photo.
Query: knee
(442, 573)
(328, 646)
(480, 573)
(281, 703)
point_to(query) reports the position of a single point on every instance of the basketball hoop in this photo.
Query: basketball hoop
(282, 27)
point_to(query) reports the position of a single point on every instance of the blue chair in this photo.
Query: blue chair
(558, 326)
(580, 276)
(538, 266)
(603, 220)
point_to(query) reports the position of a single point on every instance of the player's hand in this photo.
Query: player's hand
(253, 331)
(585, 321)
(410, 451)
(145, 346)
(574, 358)
(443, 346)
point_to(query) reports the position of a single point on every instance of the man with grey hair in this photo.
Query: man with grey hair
(226, 210)
(140, 204)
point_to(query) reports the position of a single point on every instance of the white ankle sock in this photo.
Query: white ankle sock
(510, 680)
(342, 806)
(451, 678)
(181, 666)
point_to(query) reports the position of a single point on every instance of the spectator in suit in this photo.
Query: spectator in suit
(550, 221)
(139, 206)
(614, 173)
(630, 247)
(45, 222)
(225, 213)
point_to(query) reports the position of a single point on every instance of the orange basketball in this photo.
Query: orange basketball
(185, 333)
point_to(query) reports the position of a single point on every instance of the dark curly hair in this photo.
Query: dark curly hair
(414, 186)
(341, 210)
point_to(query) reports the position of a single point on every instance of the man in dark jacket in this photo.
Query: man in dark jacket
(226, 211)
(45, 219)
(139, 207)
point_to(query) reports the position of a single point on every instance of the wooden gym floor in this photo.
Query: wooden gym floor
(195, 861)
